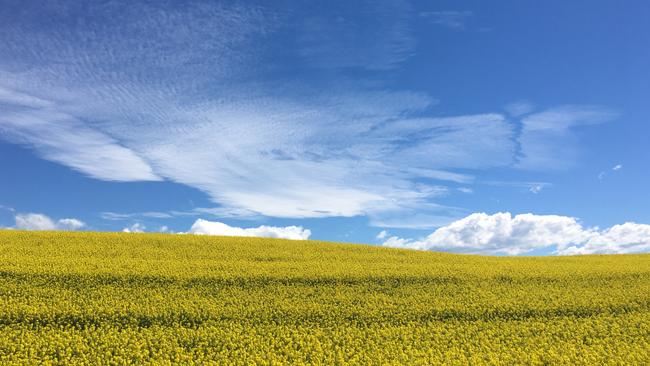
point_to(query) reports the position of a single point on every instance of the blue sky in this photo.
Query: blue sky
(409, 124)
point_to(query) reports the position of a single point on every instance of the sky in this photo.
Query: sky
(500, 128)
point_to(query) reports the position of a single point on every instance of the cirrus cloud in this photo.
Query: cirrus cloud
(207, 96)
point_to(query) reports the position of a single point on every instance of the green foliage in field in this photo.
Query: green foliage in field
(110, 298)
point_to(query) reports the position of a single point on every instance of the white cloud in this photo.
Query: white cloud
(547, 138)
(561, 119)
(442, 175)
(15, 97)
(449, 142)
(205, 227)
(396, 242)
(502, 233)
(229, 212)
(465, 190)
(624, 238)
(116, 216)
(64, 139)
(70, 224)
(135, 228)
(260, 149)
(382, 235)
(34, 221)
(615, 168)
(137, 101)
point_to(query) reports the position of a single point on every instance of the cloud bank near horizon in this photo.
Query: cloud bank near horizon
(479, 233)
(503, 233)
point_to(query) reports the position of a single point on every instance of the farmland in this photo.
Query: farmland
(115, 298)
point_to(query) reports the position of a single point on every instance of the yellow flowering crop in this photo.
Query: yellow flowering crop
(114, 298)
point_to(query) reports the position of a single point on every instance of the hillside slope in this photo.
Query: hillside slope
(138, 298)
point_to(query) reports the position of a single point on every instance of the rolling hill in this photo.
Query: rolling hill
(116, 298)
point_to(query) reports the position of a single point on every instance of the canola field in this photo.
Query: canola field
(115, 298)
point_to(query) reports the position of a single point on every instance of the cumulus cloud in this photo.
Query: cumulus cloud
(70, 224)
(135, 228)
(204, 227)
(502, 233)
(34, 221)
(624, 238)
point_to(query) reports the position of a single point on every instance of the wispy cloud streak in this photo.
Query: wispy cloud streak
(452, 19)
(202, 95)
